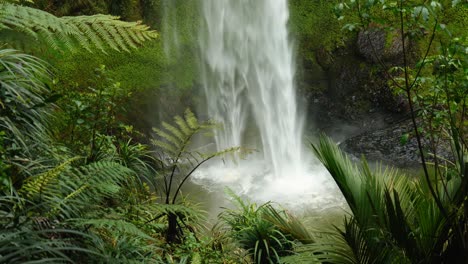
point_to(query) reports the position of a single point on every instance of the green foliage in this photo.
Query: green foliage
(438, 95)
(179, 162)
(90, 32)
(308, 21)
(23, 81)
(54, 208)
(174, 141)
(263, 231)
(394, 220)
(40, 228)
(25, 238)
(88, 120)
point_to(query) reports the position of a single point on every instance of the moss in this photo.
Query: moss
(456, 19)
(309, 20)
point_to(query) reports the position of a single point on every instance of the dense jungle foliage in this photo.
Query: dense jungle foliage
(95, 138)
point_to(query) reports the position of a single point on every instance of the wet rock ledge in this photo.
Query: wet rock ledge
(386, 145)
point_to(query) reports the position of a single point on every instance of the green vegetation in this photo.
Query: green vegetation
(79, 183)
(309, 20)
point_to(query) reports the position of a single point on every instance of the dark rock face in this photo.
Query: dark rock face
(376, 45)
(371, 44)
(386, 145)
(357, 105)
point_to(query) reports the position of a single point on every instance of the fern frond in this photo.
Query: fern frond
(90, 32)
(168, 148)
(115, 226)
(183, 126)
(175, 140)
(181, 210)
(37, 185)
(66, 192)
(174, 131)
(192, 121)
(99, 174)
(73, 195)
(170, 138)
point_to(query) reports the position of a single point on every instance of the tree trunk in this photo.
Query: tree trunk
(172, 235)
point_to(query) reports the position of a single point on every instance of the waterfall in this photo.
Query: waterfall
(248, 75)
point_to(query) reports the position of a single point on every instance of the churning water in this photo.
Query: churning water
(248, 76)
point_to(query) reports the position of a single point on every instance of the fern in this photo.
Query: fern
(34, 186)
(90, 32)
(65, 192)
(175, 140)
(179, 209)
(102, 180)
(115, 226)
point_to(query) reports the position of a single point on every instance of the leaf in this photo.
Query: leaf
(404, 139)
(421, 11)
(99, 32)
(114, 226)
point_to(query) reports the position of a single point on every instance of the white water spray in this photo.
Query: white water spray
(248, 76)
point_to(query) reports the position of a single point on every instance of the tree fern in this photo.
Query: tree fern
(90, 32)
(180, 161)
(174, 142)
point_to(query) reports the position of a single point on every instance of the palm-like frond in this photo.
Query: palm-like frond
(91, 32)
(263, 231)
(287, 224)
(349, 246)
(392, 211)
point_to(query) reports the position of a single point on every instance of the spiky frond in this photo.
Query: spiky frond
(24, 240)
(22, 80)
(349, 246)
(91, 32)
(265, 232)
(391, 210)
(28, 246)
(287, 224)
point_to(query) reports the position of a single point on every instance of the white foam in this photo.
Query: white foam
(313, 189)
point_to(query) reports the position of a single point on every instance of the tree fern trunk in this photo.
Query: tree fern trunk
(172, 235)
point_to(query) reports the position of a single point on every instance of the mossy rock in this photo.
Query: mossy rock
(377, 45)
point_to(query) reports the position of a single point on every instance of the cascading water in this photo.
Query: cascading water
(247, 70)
